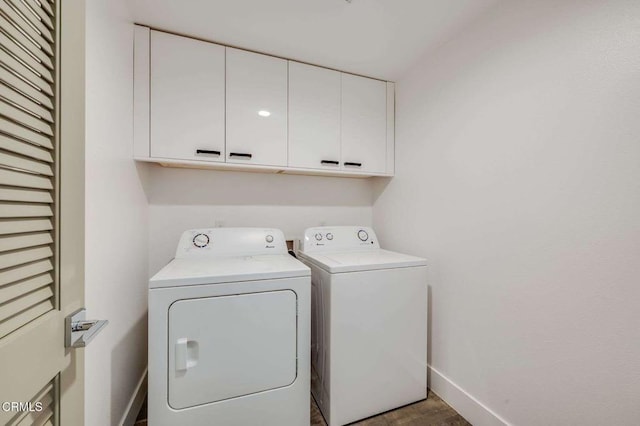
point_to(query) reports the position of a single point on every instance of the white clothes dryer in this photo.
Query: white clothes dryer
(368, 324)
(229, 324)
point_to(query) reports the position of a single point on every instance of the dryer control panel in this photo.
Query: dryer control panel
(337, 238)
(218, 242)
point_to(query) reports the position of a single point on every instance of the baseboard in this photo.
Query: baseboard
(469, 407)
(464, 403)
(131, 413)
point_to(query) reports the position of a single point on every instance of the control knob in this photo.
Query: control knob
(201, 240)
(362, 234)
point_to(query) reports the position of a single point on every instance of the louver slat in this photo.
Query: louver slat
(25, 271)
(25, 225)
(18, 289)
(8, 260)
(26, 195)
(21, 117)
(25, 210)
(26, 164)
(24, 302)
(25, 317)
(21, 241)
(12, 144)
(19, 132)
(27, 180)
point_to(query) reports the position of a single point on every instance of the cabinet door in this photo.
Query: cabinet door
(256, 108)
(364, 124)
(314, 117)
(187, 98)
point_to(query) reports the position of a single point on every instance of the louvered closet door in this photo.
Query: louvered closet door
(31, 320)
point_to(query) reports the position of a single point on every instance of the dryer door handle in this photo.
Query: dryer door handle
(186, 353)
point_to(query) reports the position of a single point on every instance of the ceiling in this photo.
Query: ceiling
(377, 38)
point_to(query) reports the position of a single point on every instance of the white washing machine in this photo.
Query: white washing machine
(368, 324)
(229, 332)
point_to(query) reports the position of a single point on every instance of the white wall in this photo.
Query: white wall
(116, 218)
(517, 177)
(181, 199)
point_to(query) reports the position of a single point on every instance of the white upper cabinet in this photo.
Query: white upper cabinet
(314, 117)
(256, 109)
(187, 106)
(364, 124)
(200, 104)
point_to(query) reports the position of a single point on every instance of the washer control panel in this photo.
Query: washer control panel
(336, 238)
(231, 242)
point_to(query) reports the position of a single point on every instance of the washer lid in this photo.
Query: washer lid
(353, 261)
(194, 271)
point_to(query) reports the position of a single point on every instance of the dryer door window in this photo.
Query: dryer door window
(230, 346)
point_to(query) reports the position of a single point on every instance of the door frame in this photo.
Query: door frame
(71, 196)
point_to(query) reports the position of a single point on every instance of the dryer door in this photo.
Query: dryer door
(230, 346)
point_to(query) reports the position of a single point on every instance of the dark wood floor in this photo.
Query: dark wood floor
(431, 412)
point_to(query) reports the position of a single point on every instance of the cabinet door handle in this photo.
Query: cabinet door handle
(351, 164)
(333, 163)
(207, 152)
(239, 154)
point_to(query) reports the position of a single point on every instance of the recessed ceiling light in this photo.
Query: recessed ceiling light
(264, 113)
